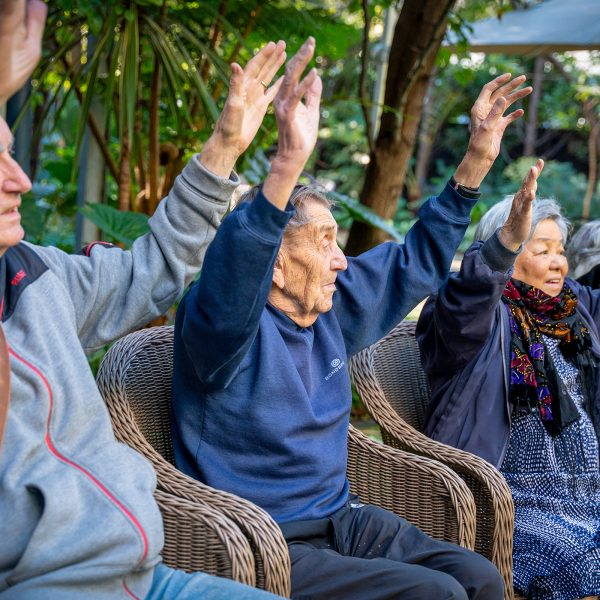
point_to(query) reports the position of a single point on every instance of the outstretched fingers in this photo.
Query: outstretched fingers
(490, 87)
(526, 194)
(510, 86)
(296, 66)
(256, 63)
(270, 67)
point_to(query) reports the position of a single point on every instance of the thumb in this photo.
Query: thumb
(36, 19)
(236, 80)
(496, 110)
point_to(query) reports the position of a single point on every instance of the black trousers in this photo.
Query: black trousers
(363, 552)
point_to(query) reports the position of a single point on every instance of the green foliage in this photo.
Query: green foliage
(48, 211)
(118, 226)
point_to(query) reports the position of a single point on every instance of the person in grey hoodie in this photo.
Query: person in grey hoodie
(79, 520)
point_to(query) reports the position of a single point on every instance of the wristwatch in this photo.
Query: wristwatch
(463, 190)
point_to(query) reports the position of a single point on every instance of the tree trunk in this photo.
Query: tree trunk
(417, 38)
(124, 202)
(531, 129)
(589, 111)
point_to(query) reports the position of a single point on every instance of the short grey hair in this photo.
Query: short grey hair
(583, 252)
(543, 208)
(299, 198)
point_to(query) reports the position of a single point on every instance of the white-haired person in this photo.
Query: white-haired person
(583, 253)
(511, 348)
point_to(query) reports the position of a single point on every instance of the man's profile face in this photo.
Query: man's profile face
(13, 183)
(311, 262)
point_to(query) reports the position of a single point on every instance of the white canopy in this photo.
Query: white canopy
(551, 26)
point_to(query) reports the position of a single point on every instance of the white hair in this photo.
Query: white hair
(584, 249)
(543, 208)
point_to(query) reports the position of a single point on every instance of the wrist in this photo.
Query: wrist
(472, 171)
(507, 240)
(218, 156)
(280, 182)
(465, 191)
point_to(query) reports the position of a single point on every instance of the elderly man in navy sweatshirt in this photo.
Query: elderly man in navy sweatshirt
(261, 391)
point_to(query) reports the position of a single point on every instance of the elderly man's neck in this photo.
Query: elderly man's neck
(291, 310)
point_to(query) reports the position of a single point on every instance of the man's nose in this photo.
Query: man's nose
(339, 262)
(14, 179)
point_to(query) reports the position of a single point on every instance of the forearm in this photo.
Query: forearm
(390, 280)
(472, 170)
(454, 327)
(280, 181)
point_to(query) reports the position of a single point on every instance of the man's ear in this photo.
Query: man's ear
(278, 272)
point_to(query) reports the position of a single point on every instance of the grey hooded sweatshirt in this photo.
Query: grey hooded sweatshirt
(78, 517)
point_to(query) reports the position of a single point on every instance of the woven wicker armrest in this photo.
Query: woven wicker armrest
(135, 381)
(200, 538)
(268, 544)
(423, 491)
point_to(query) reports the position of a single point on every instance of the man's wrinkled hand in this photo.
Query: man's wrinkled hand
(488, 124)
(245, 108)
(488, 118)
(297, 123)
(21, 29)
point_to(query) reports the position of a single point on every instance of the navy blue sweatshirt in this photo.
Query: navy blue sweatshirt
(260, 404)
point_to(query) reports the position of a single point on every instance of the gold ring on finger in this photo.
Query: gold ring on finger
(264, 85)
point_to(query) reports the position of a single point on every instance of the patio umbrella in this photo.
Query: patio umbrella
(550, 26)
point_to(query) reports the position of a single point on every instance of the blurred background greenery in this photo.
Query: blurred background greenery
(128, 91)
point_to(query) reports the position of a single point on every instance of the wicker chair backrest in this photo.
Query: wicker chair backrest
(146, 383)
(397, 368)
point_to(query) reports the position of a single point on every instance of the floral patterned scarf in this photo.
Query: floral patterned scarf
(533, 380)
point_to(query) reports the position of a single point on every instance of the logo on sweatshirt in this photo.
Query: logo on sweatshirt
(337, 364)
(18, 277)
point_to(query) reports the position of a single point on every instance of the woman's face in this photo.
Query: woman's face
(542, 262)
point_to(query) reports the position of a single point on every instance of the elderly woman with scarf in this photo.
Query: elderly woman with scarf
(511, 348)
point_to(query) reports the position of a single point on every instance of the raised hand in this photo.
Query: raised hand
(517, 227)
(21, 30)
(488, 123)
(245, 108)
(297, 122)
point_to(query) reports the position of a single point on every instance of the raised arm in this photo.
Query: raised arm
(21, 29)
(455, 324)
(115, 291)
(392, 279)
(219, 317)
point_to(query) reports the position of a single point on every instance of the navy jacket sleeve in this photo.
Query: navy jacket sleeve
(381, 286)
(455, 324)
(590, 298)
(219, 317)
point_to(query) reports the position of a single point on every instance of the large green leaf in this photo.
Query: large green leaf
(360, 212)
(122, 226)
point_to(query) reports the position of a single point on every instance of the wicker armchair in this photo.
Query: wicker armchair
(246, 544)
(217, 532)
(391, 383)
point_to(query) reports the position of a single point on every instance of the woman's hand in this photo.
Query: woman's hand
(517, 228)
